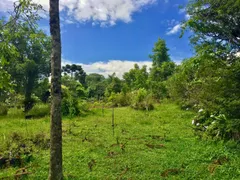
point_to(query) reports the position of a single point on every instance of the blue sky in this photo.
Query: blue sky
(107, 36)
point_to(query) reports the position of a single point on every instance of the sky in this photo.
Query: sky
(107, 36)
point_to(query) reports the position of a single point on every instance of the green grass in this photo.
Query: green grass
(146, 145)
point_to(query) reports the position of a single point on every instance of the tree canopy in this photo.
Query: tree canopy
(215, 24)
(160, 53)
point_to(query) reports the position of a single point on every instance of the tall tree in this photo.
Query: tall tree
(23, 49)
(55, 171)
(76, 72)
(160, 53)
(32, 63)
(161, 69)
(215, 24)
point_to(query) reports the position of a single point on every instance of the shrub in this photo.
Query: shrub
(3, 110)
(15, 100)
(73, 106)
(39, 111)
(69, 106)
(120, 99)
(211, 84)
(217, 126)
(96, 104)
(83, 107)
(142, 100)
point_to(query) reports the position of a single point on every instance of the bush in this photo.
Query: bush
(211, 84)
(96, 104)
(39, 111)
(120, 99)
(15, 100)
(69, 106)
(83, 107)
(216, 126)
(74, 107)
(3, 110)
(142, 100)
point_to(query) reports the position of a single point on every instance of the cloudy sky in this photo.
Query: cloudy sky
(107, 36)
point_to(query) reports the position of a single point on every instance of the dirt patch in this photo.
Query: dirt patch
(112, 154)
(172, 171)
(216, 163)
(155, 146)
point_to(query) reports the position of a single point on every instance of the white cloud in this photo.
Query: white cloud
(104, 12)
(174, 29)
(112, 66)
(187, 16)
(182, 10)
(172, 22)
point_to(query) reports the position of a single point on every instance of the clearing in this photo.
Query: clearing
(146, 145)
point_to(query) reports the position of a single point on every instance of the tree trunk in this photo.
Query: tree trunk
(55, 172)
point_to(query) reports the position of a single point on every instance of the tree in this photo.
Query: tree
(13, 38)
(158, 77)
(162, 69)
(5, 78)
(160, 53)
(215, 24)
(76, 72)
(96, 84)
(114, 84)
(55, 171)
(32, 63)
(42, 91)
(136, 78)
(75, 87)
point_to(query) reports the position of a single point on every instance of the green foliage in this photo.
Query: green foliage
(72, 104)
(42, 90)
(5, 84)
(157, 79)
(28, 56)
(8, 50)
(120, 99)
(76, 72)
(74, 107)
(114, 85)
(75, 87)
(217, 126)
(211, 79)
(40, 110)
(3, 109)
(211, 84)
(160, 53)
(15, 100)
(207, 19)
(96, 84)
(142, 100)
(136, 78)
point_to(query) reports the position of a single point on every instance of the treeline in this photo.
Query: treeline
(208, 83)
(138, 88)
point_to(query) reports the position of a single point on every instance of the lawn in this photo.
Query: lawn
(159, 144)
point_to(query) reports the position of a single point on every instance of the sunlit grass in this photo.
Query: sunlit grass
(146, 145)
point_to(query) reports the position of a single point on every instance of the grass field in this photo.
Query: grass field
(145, 145)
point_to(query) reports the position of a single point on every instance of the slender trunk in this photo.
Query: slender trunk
(55, 172)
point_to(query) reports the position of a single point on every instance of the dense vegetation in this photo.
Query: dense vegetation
(206, 87)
